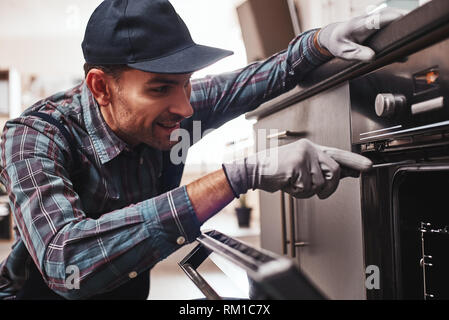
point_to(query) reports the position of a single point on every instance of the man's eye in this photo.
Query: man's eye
(163, 89)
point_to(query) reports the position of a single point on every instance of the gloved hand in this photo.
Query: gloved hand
(301, 169)
(344, 39)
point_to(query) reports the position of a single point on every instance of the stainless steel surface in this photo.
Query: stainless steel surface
(329, 250)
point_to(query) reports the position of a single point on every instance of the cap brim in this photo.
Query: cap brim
(187, 60)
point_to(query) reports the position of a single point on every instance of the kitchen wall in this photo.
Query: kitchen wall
(33, 31)
(317, 13)
(41, 41)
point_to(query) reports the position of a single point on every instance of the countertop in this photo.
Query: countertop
(418, 29)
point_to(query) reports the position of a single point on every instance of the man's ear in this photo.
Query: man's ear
(99, 84)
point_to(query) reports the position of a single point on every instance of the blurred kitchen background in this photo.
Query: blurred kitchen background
(40, 54)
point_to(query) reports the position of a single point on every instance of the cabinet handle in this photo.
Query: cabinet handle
(294, 243)
(287, 134)
(283, 224)
(292, 227)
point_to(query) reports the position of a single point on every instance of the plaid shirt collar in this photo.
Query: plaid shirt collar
(106, 143)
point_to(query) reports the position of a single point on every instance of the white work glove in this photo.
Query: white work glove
(344, 39)
(301, 169)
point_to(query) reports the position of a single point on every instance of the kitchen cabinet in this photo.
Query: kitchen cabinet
(328, 232)
(264, 39)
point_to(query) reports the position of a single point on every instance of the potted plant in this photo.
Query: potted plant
(243, 212)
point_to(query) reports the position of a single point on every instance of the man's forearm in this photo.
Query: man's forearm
(210, 194)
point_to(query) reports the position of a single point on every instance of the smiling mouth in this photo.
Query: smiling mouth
(168, 125)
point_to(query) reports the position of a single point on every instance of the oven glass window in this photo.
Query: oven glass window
(422, 227)
(226, 278)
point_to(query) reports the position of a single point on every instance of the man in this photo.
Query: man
(95, 195)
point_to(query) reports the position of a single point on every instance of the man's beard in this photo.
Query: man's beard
(162, 143)
(151, 138)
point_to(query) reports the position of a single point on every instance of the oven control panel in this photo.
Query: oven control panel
(388, 105)
(404, 99)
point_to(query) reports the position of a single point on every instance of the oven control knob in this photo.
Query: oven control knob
(388, 104)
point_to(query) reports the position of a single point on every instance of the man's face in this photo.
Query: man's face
(147, 107)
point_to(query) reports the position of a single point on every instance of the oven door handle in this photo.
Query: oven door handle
(287, 134)
(392, 164)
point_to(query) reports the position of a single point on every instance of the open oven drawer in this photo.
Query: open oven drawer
(256, 273)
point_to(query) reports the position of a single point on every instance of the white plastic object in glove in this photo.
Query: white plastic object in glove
(344, 39)
(301, 169)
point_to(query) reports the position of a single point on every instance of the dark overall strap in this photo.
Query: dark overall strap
(171, 173)
(35, 287)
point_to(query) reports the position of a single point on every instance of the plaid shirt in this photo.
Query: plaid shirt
(120, 222)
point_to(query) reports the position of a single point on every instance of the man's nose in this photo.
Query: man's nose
(181, 105)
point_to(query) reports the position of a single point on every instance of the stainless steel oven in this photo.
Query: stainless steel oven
(400, 119)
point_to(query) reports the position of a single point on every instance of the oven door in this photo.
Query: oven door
(244, 272)
(421, 221)
(406, 220)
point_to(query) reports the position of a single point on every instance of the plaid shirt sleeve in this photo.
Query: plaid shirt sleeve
(107, 251)
(220, 98)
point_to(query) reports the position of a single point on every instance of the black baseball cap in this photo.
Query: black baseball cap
(147, 35)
